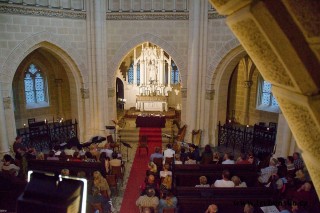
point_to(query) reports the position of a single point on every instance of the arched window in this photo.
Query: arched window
(35, 88)
(138, 73)
(174, 74)
(130, 74)
(265, 100)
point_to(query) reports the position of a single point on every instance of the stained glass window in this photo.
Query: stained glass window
(130, 74)
(267, 101)
(138, 73)
(174, 74)
(34, 85)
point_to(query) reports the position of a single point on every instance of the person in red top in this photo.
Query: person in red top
(243, 159)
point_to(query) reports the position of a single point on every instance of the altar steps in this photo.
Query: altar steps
(131, 134)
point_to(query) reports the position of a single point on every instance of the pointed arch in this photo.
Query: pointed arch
(67, 55)
(128, 46)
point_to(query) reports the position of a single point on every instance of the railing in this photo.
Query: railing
(256, 139)
(147, 6)
(58, 4)
(42, 135)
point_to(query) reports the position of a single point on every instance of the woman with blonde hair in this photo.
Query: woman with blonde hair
(101, 183)
(166, 183)
(203, 182)
(237, 182)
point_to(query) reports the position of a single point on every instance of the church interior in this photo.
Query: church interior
(142, 99)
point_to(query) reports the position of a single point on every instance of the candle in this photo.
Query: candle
(248, 126)
(45, 120)
(268, 128)
(229, 121)
(24, 125)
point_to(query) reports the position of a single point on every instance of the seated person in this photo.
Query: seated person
(65, 172)
(190, 159)
(227, 159)
(282, 167)
(248, 208)
(148, 200)
(96, 198)
(56, 150)
(297, 161)
(237, 182)
(207, 155)
(106, 161)
(115, 161)
(168, 200)
(21, 150)
(242, 159)
(203, 182)
(183, 154)
(51, 156)
(216, 158)
(165, 171)
(283, 206)
(89, 157)
(305, 195)
(149, 183)
(225, 181)
(9, 166)
(101, 183)
(212, 209)
(76, 157)
(194, 151)
(156, 154)
(69, 150)
(166, 183)
(290, 166)
(107, 149)
(152, 169)
(177, 159)
(268, 171)
(40, 156)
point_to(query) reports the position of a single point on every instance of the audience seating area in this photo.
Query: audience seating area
(73, 166)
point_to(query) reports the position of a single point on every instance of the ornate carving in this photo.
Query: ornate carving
(36, 11)
(84, 93)
(307, 15)
(111, 92)
(247, 84)
(152, 98)
(183, 92)
(301, 123)
(210, 94)
(261, 52)
(7, 103)
(147, 16)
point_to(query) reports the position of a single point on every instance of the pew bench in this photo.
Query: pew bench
(73, 166)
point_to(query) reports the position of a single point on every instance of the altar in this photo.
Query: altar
(152, 103)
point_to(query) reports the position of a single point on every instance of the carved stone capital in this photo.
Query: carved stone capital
(111, 92)
(247, 84)
(210, 94)
(183, 92)
(7, 103)
(84, 93)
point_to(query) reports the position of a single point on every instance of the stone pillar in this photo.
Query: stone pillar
(169, 72)
(247, 90)
(59, 89)
(284, 137)
(193, 66)
(4, 144)
(142, 73)
(280, 40)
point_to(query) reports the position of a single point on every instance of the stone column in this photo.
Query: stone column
(279, 38)
(169, 72)
(247, 90)
(4, 144)
(284, 137)
(59, 89)
(142, 73)
(193, 66)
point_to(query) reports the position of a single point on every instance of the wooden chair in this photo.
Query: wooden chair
(117, 170)
(196, 137)
(158, 162)
(112, 181)
(143, 143)
(113, 144)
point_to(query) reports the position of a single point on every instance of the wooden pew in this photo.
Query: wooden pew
(73, 166)
(188, 175)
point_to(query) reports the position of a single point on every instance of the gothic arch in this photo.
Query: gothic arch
(125, 48)
(64, 52)
(212, 69)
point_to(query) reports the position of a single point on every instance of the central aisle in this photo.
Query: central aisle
(138, 170)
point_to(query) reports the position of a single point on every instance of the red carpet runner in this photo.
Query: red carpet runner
(138, 170)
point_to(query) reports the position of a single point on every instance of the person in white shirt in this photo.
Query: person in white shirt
(107, 150)
(225, 181)
(227, 159)
(9, 166)
(168, 153)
